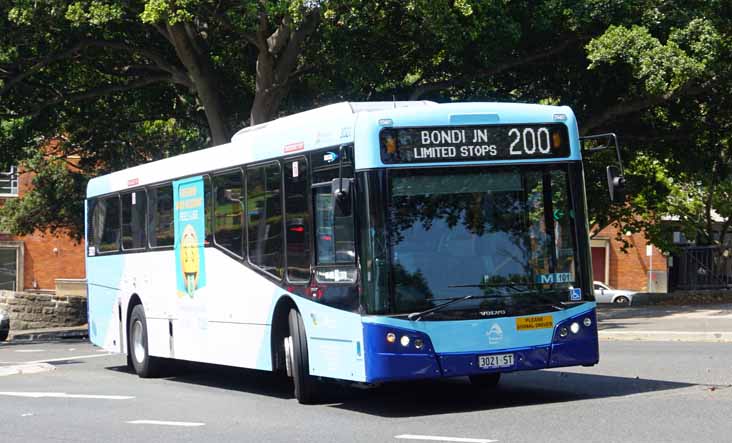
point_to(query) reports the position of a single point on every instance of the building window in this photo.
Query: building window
(9, 182)
(11, 265)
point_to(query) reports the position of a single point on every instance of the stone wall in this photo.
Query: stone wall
(36, 310)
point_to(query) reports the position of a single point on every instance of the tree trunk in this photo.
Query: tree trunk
(277, 60)
(202, 75)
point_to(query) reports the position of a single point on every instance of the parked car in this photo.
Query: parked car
(4, 325)
(606, 294)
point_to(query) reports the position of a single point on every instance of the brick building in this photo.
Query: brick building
(633, 269)
(41, 262)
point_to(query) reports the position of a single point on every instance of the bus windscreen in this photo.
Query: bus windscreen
(505, 238)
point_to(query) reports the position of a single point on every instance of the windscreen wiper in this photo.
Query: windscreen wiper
(540, 295)
(420, 314)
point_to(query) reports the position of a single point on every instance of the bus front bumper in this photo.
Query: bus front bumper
(394, 361)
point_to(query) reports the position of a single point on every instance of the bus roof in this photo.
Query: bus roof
(324, 127)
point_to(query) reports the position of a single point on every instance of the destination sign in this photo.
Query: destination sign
(474, 143)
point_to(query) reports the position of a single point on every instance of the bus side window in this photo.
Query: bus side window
(264, 212)
(106, 224)
(334, 234)
(134, 208)
(228, 217)
(208, 211)
(298, 220)
(160, 216)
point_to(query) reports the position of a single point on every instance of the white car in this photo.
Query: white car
(606, 294)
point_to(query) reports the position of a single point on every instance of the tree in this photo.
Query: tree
(168, 76)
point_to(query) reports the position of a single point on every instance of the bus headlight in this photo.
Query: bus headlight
(563, 332)
(391, 337)
(418, 343)
(587, 322)
(574, 327)
(404, 340)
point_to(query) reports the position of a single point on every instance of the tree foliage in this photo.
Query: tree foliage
(124, 82)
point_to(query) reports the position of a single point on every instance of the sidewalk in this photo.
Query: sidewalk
(698, 323)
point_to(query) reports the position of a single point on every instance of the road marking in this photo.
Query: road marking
(30, 350)
(438, 438)
(187, 424)
(65, 395)
(33, 368)
(75, 357)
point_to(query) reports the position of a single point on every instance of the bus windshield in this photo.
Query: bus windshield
(504, 237)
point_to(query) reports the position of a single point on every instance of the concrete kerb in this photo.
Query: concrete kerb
(50, 334)
(680, 336)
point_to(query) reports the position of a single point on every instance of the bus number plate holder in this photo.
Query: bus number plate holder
(495, 361)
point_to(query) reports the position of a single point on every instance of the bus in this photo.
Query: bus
(361, 242)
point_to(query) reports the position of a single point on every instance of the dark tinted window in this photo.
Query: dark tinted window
(333, 233)
(160, 216)
(134, 206)
(208, 202)
(298, 220)
(325, 164)
(105, 220)
(264, 212)
(228, 217)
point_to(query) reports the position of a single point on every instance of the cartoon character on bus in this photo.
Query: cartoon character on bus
(189, 259)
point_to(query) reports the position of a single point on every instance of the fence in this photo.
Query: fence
(701, 267)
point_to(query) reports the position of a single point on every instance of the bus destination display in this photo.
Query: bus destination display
(471, 143)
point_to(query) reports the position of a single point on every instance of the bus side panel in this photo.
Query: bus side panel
(335, 341)
(226, 320)
(104, 277)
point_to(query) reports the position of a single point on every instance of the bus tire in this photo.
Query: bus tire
(144, 365)
(305, 384)
(485, 381)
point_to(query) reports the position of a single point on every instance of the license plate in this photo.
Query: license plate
(495, 361)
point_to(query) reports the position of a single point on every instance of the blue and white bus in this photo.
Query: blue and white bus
(365, 242)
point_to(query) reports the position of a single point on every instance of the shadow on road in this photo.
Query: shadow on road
(425, 398)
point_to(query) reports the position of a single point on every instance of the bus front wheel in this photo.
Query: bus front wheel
(487, 381)
(305, 384)
(145, 366)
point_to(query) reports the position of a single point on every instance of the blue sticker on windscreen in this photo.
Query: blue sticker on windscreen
(575, 294)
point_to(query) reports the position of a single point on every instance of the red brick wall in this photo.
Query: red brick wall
(46, 256)
(629, 270)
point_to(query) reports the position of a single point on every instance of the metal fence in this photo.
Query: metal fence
(701, 267)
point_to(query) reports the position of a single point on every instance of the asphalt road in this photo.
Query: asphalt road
(641, 392)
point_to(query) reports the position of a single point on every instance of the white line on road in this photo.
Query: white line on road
(438, 438)
(25, 368)
(75, 357)
(30, 350)
(65, 395)
(188, 424)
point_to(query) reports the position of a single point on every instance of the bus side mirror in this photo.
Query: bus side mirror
(341, 190)
(615, 178)
(616, 184)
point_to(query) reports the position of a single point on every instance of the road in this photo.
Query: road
(641, 391)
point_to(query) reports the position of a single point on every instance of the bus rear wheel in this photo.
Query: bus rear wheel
(305, 384)
(145, 366)
(486, 381)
